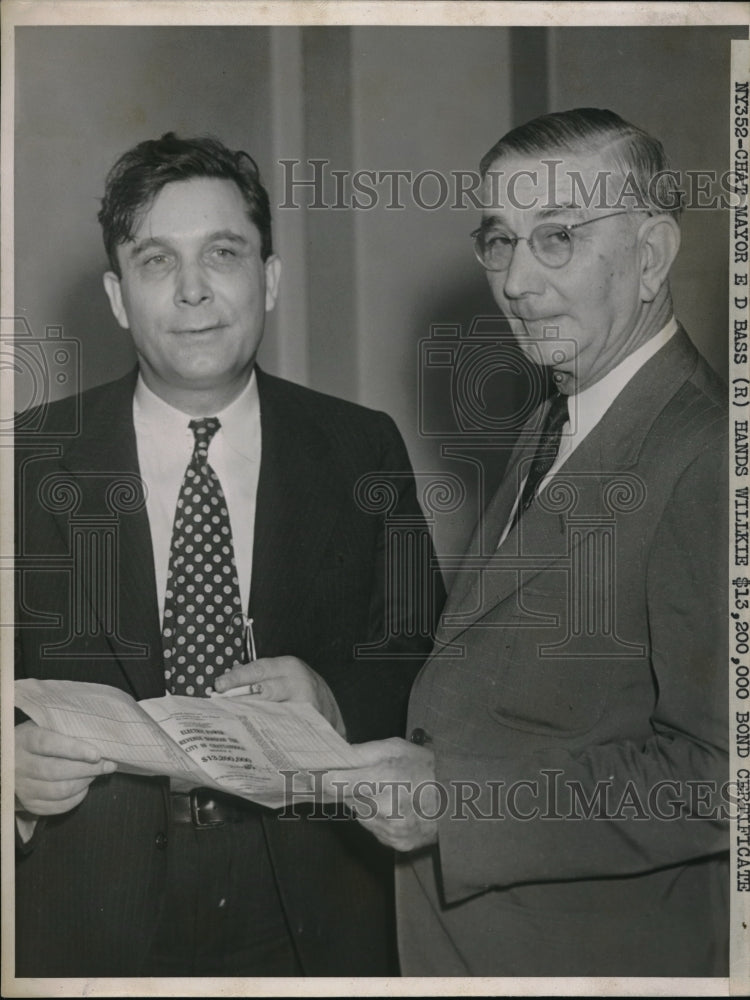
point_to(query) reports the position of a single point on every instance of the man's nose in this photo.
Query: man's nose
(192, 287)
(524, 274)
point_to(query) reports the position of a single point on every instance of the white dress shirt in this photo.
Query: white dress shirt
(587, 407)
(165, 445)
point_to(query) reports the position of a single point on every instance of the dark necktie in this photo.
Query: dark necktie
(546, 452)
(203, 624)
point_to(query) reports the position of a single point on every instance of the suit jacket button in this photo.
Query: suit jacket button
(420, 737)
(161, 841)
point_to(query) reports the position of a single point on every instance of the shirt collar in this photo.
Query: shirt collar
(240, 421)
(592, 403)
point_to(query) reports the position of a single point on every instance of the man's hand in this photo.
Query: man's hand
(392, 791)
(283, 678)
(53, 772)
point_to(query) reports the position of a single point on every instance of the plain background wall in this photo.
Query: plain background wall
(361, 289)
(83, 96)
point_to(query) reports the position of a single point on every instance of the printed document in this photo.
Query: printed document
(236, 744)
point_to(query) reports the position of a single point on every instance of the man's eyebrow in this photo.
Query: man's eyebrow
(227, 234)
(141, 246)
(488, 221)
(549, 210)
(158, 242)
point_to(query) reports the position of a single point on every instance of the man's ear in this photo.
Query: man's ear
(272, 266)
(114, 294)
(659, 241)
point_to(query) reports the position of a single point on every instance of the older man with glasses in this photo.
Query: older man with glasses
(561, 803)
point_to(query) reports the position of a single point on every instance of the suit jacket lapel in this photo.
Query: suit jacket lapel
(541, 537)
(103, 462)
(465, 593)
(295, 513)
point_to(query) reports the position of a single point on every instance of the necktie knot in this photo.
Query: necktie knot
(203, 430)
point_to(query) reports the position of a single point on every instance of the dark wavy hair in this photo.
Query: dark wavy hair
(140, 174)
(632, 151)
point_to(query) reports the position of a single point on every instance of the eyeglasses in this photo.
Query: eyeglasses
(551, 243)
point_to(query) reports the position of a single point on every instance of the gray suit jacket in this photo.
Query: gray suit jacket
(576, 699)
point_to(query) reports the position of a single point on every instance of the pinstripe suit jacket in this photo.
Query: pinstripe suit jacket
(89, 886)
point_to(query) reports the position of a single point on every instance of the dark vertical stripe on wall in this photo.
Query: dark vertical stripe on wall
(326, 59)
(529, 73)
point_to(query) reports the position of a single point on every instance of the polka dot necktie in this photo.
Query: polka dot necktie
(202, 632)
